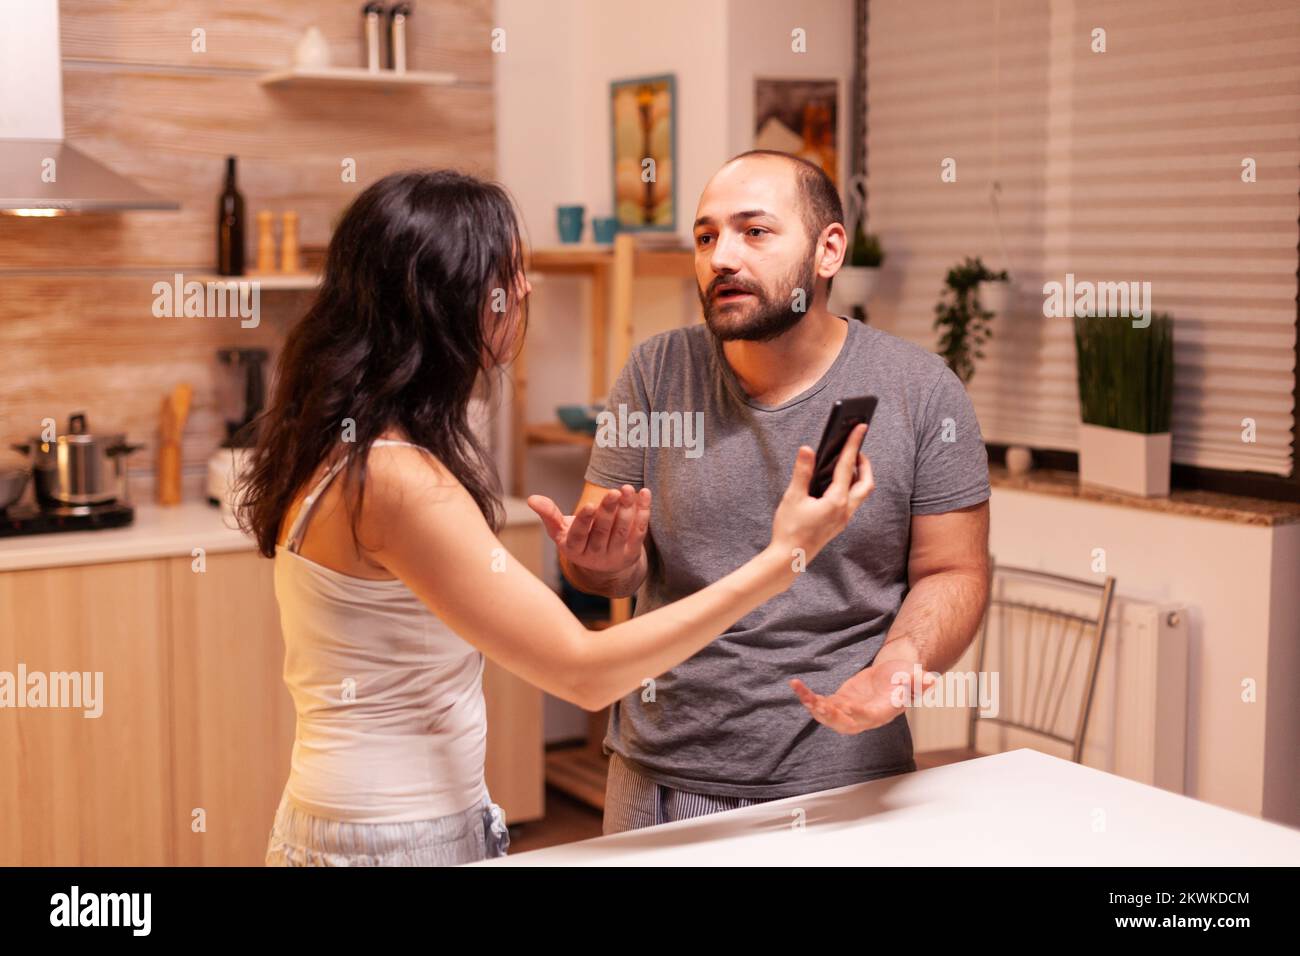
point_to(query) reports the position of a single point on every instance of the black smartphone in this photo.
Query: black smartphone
(846, 414)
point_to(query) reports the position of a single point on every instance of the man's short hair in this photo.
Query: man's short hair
(820, 200)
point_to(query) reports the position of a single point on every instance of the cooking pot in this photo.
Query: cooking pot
(79, 468)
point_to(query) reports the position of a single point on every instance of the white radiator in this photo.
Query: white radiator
(1138, 723)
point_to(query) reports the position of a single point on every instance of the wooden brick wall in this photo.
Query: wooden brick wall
(77, 330)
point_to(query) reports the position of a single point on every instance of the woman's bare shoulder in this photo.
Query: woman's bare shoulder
(400, 476)
(414, 505)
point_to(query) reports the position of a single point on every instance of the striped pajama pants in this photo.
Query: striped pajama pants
(633, 801)
(300, 839)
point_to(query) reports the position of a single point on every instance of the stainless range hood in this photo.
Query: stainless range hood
(40, 174)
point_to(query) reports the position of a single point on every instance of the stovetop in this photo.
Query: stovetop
(29, 519)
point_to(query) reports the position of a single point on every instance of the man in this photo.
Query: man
(902, 588)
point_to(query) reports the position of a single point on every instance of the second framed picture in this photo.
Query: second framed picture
(799, 116)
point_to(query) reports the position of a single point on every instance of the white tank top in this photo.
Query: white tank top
(391, 722)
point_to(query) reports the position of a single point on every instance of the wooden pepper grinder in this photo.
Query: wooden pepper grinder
(289, 243)
(265, 242)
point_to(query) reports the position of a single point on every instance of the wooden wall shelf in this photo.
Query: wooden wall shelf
(555, 433)
(354, 78)
(267, 282)
(584, 258)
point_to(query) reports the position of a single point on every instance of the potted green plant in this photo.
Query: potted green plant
(960, 318)
(1126, 397)
(854, 282)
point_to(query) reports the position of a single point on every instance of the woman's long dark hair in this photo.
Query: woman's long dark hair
(396, 339)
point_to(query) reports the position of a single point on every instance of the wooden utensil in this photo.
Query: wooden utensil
(171, 423)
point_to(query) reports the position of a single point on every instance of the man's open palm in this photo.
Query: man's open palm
(870, 698)
(600, 537)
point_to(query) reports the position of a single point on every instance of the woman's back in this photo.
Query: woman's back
(391, 721)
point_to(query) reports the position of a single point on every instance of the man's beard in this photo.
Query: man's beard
(765, 316)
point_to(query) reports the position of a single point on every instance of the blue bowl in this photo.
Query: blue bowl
(579, 418)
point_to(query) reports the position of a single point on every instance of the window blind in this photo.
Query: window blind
(1117, 166)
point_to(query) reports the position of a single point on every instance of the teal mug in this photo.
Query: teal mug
(604, 228)
(569, 220)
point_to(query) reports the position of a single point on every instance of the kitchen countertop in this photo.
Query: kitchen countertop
(1197, 504)
(1009, 809)
(157, 532)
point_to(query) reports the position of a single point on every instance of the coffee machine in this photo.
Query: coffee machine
(241, 396)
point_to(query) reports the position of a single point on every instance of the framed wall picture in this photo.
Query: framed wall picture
(643, 141)
(799, 116)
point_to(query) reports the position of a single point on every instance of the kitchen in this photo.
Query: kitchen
(172, 175)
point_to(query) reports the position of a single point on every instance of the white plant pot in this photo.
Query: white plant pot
(1131, 462)
(1019, 460)
(853, 285)
(997, 298)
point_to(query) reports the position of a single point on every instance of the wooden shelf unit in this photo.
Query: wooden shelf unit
(580, 771)
(611, 271)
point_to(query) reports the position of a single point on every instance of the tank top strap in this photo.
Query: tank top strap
(294, 538)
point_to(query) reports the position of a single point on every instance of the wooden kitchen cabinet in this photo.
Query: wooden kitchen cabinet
(232, 716)
(196, 715)
(76, 790)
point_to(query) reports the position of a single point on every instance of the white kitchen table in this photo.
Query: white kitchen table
(1017, 808)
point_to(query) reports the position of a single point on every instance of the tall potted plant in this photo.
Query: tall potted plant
(963, 323)
(1126, 397)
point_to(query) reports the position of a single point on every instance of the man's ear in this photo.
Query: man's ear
(832, 247)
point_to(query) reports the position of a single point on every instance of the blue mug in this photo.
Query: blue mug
(604, 228)
(569, 219)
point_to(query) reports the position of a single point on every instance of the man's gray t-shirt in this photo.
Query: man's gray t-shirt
(726, 721)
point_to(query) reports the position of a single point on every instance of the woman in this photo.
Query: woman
(370, 492)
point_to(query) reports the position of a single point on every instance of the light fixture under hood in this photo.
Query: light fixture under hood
(40, 174)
